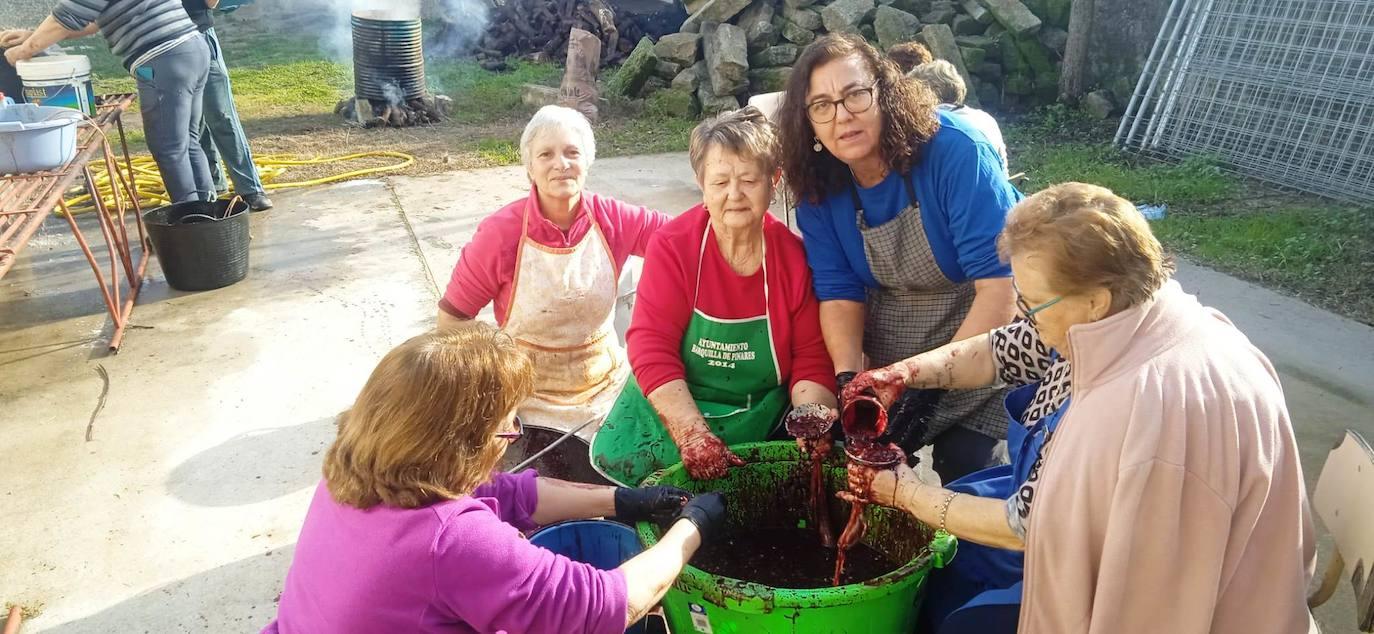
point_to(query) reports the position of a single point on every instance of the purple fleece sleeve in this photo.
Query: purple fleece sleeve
(493, 579)
(516, 497)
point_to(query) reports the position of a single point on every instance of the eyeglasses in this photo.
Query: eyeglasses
(1026, 308)
(823, 111)
(512, 436)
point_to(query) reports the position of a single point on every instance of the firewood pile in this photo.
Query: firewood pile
(540, 28)
(401, 114)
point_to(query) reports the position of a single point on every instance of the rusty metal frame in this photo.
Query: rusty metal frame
(26, 200)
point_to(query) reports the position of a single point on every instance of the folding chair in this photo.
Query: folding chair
(1344, 499)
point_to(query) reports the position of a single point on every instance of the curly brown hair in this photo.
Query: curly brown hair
(907, 110)
(423, 428)
(909, 55)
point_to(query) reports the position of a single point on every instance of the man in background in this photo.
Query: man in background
(944, 80)
(222, 134)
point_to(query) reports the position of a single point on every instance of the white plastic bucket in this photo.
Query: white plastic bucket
(62, 81)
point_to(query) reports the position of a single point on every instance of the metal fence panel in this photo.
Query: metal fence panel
(1280, 90)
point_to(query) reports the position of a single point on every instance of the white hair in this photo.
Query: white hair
(559, 118)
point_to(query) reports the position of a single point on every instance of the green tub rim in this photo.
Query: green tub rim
(756, 597)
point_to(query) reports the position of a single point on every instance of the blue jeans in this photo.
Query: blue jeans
(222, 130)
(170, 91)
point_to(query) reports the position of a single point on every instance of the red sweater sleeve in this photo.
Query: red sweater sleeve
(810, 359)
(663, 308)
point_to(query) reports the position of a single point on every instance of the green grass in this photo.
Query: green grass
(498, 151)
(481, 96)
(1316, 249)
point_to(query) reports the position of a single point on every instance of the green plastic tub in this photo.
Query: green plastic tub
(773, 485)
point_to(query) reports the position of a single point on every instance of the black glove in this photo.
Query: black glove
(649, 503)
(706, 511)
(841, 380)
(908, 420)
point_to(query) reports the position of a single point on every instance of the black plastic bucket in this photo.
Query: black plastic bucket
(201, 246)
(568, 461)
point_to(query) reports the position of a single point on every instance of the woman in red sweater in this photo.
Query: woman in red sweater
(726, 329)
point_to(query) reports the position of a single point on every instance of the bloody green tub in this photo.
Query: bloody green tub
(773, 485)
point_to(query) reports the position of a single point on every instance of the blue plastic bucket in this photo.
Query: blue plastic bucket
(36, 138)
(601, 543)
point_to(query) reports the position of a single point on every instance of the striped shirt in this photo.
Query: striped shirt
(132, 27)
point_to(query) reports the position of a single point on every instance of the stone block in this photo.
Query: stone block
(975, 41)
(761, 11)
(1036, 55)
(727, 58)
(537, 96)
(1053, 38)
(711, 103)
(638, 67)
(1099, 103)
(995, 30)
(690, 78)
(988, 71)
(1013, 15)
(989, 96)
(718, 11)
(692, 6)
(939, 15)
(682, 48)
(653, 85)
(845, 16)
(940, 40)
(780, 55)
(894, 26)
(804, 18)
(797, 4)
(1055, 12)
(976, 11)
(794, 33)
(760, 36)
(914, 7)
(965, 25)
(972, 56)
(766, 80)
(1019, 85)
(673, 102)
(667, 70)
(867, 31)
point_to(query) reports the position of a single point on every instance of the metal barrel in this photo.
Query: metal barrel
(387, 50)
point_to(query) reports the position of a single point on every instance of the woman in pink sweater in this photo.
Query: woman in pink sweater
(410, 530)
(1155, 483)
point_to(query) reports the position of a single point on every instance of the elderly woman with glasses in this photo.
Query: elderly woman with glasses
(1155, 484)
(900, 205)
(411, 531)
(550, 262)
(725, 334)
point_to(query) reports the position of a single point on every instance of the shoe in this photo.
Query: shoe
(258, 202)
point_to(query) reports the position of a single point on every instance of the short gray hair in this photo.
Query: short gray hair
(942, 78)
(559, 118)
(746, 132)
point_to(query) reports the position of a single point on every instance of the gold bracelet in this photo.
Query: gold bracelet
(944, 510)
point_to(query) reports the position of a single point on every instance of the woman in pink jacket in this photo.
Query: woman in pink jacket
(1155, 483)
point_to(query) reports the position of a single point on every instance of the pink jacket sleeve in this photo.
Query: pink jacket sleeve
(662, 310)
(634, 227)
(484, 267)
(489, 576)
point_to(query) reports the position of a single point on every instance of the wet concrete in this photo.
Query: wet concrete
(182, 512)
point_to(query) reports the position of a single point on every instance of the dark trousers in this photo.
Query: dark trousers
(958, 452)
(171, 91)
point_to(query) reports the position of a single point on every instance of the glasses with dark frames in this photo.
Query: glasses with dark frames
(512, 436)
(857, 101)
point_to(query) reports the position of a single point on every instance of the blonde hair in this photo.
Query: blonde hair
(943, 79)
(551, 118)
(423, 428)
(1092, 239)
(746, 132)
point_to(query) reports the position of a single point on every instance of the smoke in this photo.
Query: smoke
(464, 23)
(452, 26)
(393, 94)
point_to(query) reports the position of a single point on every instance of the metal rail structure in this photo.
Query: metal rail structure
(26, 201)
(1278, 90)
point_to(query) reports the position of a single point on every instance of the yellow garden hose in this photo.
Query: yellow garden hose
(152, 193)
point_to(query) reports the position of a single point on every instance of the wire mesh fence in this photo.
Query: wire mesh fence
(1279, 90)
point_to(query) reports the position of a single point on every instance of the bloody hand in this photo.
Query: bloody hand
(649, 503)
(810, 424)
(705, 455)
(885, 383)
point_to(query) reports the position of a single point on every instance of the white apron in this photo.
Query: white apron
(562, 314)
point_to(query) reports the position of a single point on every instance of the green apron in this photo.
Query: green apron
(732, 374)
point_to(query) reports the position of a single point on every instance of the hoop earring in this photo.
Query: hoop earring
(817, 146)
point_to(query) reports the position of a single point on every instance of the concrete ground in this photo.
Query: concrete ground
(181, 513)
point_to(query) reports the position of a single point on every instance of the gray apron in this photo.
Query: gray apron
(916, 309)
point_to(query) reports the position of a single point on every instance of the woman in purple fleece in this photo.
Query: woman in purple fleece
(410, 530)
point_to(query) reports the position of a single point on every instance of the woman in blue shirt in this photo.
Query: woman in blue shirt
(900, 207)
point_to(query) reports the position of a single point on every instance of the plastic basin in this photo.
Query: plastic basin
(568, 461)
(36, 138)
(772, 485)
(603, 544)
